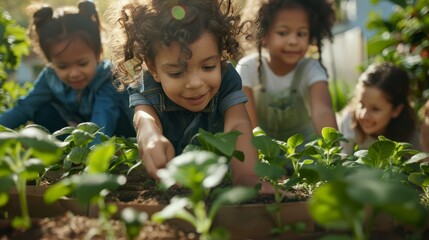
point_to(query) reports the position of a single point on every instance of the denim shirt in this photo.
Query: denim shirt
(100, 101)
(180, 125)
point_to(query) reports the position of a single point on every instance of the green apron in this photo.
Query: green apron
(282, 114)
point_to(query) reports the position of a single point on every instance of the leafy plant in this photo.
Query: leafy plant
(24, 156)
(133, 221)
(352, 195)
(91, 186)
(274, 156)
(14, 44)
(385, 153)
(199, 171)
(80, 140)
(402, 39)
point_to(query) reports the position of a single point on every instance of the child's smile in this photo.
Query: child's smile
(192, 86)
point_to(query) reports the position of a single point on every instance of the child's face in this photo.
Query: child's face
(374, 111)
(74, 62)
(193, 87)
(287, 40)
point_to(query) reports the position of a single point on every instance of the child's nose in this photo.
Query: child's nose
(292, 39)
(194, 81)
(74, 71)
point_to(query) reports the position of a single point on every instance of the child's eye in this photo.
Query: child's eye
(175, 74)
(83, 64)
(282, 33)
(62, 67)
(302, 34)
(209, 68)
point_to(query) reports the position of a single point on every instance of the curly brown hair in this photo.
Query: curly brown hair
(64, 23)
(139, 27)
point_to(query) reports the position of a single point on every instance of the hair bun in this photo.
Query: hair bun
(87, 8)
(42, 15)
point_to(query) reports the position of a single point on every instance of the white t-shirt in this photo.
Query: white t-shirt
(247, 67)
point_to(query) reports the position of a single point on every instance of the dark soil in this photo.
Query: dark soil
(138, 190)
(73, 227)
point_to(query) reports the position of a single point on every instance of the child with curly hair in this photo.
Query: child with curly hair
(288, 92)
(175, 61)
(76, 85)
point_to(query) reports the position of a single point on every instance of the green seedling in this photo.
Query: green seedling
(326, 149)
(274, 155)
(342, 202)
(79, 142)
(385, 154)
(91, 186)
(223, 144)
(421, 179)
(133, 221)
(24, 156)
(199, 171)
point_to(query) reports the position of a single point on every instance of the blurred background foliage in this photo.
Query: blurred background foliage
(403, 38)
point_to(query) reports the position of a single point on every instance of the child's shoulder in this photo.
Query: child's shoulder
(251, 58)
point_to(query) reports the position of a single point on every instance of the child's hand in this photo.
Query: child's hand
(156, 151)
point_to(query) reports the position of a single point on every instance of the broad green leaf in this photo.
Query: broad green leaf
(331, 207)
(329, 134)
(78, 155)
(6, 182)
(88, 127)
(267, 146)
(82, 138)
(4, 198)
(379, 153)
(223, 142)
(295, 140)
(99, 157)
(418, 157)
(176, 209)
(88, 186)
(266, 170)
(57, 191)
(63, 131)
(42, 146)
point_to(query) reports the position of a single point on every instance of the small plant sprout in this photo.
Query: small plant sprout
(200, 171)
(220, 143)
(326, 149)
(421, 179)
(80, 141)
(385, 153)
(24, 155)
(274, 155)
(91, 186)
(352, 197)
(133, 221)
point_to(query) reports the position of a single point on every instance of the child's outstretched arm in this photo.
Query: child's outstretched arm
(243, 173)
(424, 131)
(322, 112)
(250, 106)
(155, 149)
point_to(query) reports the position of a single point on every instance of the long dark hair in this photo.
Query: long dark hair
(394, 82)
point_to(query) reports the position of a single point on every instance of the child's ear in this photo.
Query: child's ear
(152, 70)
(397, 110)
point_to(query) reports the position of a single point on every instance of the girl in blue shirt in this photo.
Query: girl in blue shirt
(76, 86)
